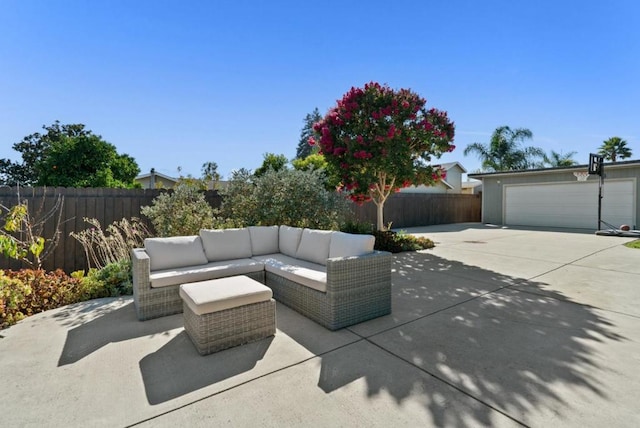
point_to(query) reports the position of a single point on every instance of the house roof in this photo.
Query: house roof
(158, 175)
(448, 165)
(615, 165)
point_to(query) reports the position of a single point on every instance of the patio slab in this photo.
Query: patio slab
(540, 360)
(495, 339)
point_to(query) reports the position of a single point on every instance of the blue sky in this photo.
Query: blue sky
(179, 83)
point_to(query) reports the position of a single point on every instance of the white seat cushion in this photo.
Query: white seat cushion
(176, 251)
(306, 273)
(226, 244)
(314, 246)
(349, 244)
(288, 240)
(213, 270)
(264, 239)
(226, 293)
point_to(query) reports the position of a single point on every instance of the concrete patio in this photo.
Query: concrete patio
(494, 327)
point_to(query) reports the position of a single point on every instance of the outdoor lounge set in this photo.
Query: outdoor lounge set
(225, 281)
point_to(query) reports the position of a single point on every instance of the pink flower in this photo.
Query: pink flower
(312, 141)
(362, 155)
(392, 131)
(405, 104)
(338, 151)
(360, 139)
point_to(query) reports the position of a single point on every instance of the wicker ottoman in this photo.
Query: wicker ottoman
(227, 312)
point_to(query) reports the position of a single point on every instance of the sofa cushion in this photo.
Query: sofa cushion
(264, 239)
(288, 240)
(223, 294)
(213, 270)
(176, 251)
(349, 244)
(314, 246)
(226, 244)
(305, 273)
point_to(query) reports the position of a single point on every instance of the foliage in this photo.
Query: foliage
(86, 161)
(182, 211)
(555, 159)
(21, 237)
(503, 152)
(397, 242)
(210, 174)
(272, 162)
(27, 292)
(388, 240)
(317, 162)
(633, 244)
(114, 246)
(304, 149)
(68, 156)
(33, 149)
(291, 197)
(615, 148)
(381, 140)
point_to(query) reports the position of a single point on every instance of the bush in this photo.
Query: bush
(388, 240)
(397, 242)
(286, 197)
(102, 249)
(27, 292)
(182, 212)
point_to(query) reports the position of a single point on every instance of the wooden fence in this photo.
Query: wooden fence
(424, 209)
(105, 205)
(109, 205)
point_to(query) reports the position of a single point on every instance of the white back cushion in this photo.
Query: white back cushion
(348, 244)
(176, 251)
(314, 246)
(226, 244)
(264, 240)
(288, 240)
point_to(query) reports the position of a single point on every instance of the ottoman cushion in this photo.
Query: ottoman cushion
(225, 293)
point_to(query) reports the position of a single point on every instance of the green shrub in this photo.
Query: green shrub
(286, 197)
(27, 292)
(184, 211)
(397, 242)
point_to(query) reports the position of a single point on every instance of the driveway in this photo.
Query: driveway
(494, 327)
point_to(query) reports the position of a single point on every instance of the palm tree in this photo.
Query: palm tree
(614, 148)
(503, 152)
(555, 159)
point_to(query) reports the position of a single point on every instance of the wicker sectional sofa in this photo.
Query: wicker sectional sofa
(333, 278)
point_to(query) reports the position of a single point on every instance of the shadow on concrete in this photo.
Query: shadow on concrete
(177, 368)
(507, 349)
(96, 324)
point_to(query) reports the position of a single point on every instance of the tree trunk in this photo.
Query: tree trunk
(380, 208)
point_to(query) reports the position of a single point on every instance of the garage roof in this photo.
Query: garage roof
(621, 164)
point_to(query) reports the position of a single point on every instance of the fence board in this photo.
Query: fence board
(109, 205)
(423, 209)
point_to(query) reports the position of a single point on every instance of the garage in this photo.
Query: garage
(573, 204)
(554, 197)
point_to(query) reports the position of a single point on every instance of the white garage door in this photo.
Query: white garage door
(569, 204)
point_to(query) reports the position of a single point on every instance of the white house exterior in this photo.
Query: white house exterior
(451, 184)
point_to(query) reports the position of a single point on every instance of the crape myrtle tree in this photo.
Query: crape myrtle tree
(380, 140)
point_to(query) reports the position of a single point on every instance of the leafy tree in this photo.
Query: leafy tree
(182, 211)
(503, 152)
(210, 173)
(379, 140)
(317, 162)
(34, 149)
(615, 148)
(304, 148)
(291, 197)
(86, 161)
(555, 159)
(70, 156)
(272, 161)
